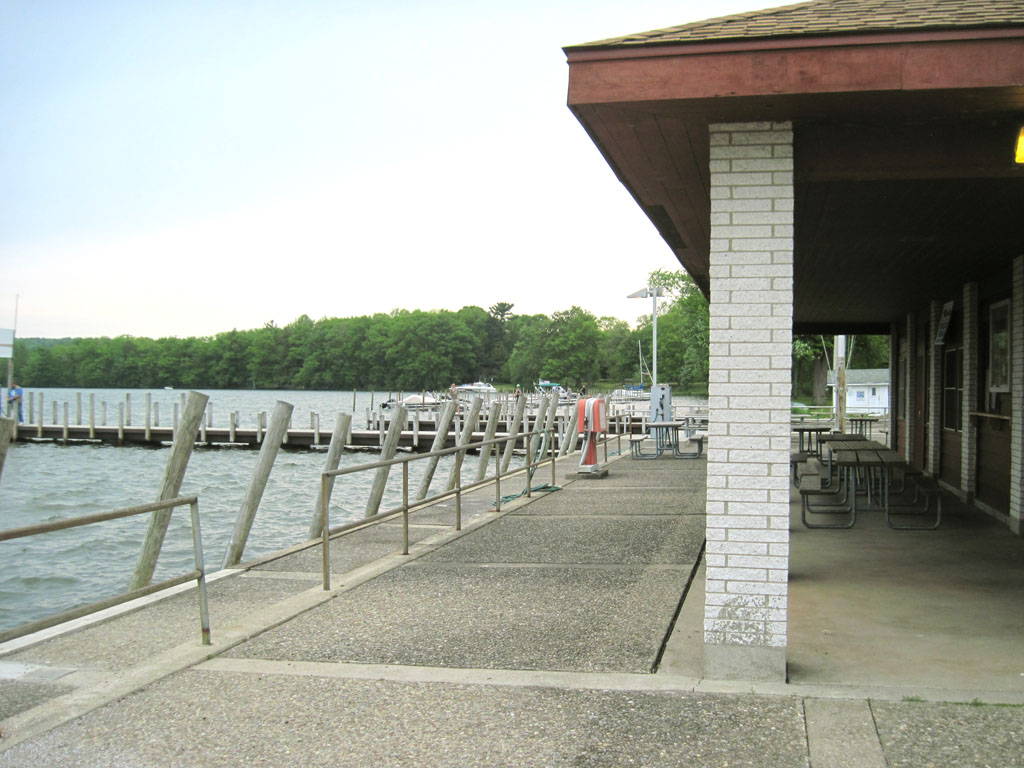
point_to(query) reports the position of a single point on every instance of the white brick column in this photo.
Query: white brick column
(934, 393)
(1017, 397)
(910, 420)
(969, 395)
(749, 401)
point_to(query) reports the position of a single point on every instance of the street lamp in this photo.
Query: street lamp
(654, 292)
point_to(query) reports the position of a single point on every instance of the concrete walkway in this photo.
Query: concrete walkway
(563, 631)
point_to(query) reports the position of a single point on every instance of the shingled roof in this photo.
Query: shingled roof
(829, 17)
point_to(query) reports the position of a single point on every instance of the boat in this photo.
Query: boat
(422, 402)
(478, 388)
(545, 387)
(630, 394)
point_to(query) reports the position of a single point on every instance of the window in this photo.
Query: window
(999, 347)
(952, 389)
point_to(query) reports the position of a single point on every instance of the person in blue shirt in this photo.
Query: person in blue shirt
(14, 398)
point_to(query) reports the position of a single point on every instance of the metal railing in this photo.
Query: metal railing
(535, 457)
(199, 574)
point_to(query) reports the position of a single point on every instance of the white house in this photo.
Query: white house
(867, 389)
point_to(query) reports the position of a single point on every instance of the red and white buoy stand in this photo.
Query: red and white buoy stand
(592, 418)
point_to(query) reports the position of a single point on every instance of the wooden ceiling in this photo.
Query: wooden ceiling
(905, 184)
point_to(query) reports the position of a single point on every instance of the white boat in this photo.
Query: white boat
(421, 402)
(545, 387)
(630, 394)
(478, 388)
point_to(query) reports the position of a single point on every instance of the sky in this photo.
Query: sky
(183, 168)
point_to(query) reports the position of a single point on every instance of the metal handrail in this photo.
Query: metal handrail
(405, 508)
(199, 574)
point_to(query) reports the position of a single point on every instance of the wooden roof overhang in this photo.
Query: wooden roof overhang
(905, 183)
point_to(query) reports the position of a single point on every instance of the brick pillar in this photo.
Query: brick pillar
(1017, 397)
(934, 393)
(910, 421)
(749, 401)
(969, 395)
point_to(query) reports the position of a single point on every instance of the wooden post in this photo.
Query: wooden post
(32, 407)
(6, 432)
(261, 473)
(120, 424)
(104, 413)
(202, 425)
(233, 425)
(170, 486)
(149, 416)
(315, 419)
(571, 435)
(339, 438)
(92, 414)
(64, 431)
(78, 408)
(513, 431)
(465, 438)
(387, 452)
(40, 423)
(156, 414)
(485, 452)
(444, 421)
(128, 408)
(55, 422)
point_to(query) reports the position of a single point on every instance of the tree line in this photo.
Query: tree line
(416, 350)
(407, 350)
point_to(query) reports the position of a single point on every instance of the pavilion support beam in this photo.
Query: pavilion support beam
(751, 272)
(894, 376)
(934, 393)
(969, 396)
(1017, 398)
(910, 406)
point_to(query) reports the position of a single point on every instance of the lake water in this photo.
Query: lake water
(50, 573)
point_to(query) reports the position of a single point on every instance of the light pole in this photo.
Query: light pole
(654, 292)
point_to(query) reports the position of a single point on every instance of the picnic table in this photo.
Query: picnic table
(812, 431)
(666, 437)
(865, 467)
(862, 425)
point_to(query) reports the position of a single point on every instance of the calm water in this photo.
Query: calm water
(53, 572)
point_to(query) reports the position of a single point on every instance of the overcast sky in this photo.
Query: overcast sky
(182, 168)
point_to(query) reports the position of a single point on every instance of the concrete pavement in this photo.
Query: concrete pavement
(553, 633)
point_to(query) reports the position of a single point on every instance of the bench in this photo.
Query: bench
(926, 489)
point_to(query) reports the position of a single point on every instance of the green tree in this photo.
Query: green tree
(527, 337)
(572, 348)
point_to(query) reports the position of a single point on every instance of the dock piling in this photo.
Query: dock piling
(339, 437)
(444, 421)
(170, 485)
(485, 452)
(6, 432)
(387, 452)
(465, 438)
(258, 483)
(513, 431)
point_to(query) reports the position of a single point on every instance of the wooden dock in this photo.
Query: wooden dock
(221, 436)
